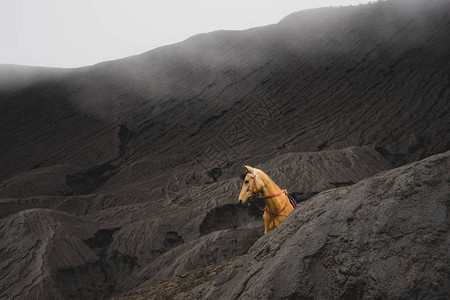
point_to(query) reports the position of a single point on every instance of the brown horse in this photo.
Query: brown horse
(257, 185)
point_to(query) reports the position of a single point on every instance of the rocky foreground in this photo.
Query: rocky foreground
(67, 246)
(382, 238)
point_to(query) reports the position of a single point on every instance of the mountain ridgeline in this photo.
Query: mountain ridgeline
(123, 174)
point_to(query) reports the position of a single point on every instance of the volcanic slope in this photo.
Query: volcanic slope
(320, 79)
(137, 158)
(384, 237)
(110, 248)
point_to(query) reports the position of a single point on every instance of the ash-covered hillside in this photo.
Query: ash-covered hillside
(384, 237)
(124, 174)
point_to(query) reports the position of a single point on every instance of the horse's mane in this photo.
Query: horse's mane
(262, 176)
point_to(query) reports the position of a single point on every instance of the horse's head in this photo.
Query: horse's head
(250, 185)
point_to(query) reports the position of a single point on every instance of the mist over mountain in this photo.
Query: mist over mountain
(130, 167)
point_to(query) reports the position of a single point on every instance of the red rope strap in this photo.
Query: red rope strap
(274, 214)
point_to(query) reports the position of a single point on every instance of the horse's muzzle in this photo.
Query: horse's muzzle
(244, 202)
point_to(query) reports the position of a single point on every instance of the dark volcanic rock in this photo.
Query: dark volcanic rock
(37, 244)
(9, 206)
(306, 174)
(76, 205)
(46, 254)
(185, 282)
(384, 237)
(42, 181)
(157, 240)
(203, 225)
(208, 250)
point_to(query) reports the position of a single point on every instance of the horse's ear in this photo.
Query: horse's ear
(248, 168)
(245, 171)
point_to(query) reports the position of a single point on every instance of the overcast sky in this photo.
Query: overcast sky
(74, 33)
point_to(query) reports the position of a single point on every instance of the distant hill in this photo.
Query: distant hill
(16, 76)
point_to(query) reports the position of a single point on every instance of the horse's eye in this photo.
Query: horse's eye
(246, 181)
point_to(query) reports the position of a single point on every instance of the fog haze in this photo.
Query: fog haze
(77, 33)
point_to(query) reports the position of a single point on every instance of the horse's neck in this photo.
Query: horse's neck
(273, 204)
